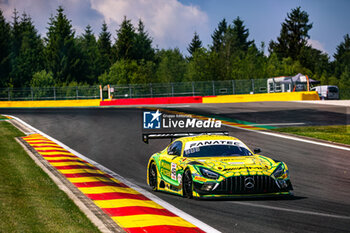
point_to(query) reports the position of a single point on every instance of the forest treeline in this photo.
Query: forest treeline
(63, 58)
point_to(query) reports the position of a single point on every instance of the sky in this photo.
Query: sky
(172, 23)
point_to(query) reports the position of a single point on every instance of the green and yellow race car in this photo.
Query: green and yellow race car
(211, 165)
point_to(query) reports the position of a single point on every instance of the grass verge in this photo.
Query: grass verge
(334, 133)
(29, 200)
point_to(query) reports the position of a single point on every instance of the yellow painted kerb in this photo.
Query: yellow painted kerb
(50, 103)
(283, 96)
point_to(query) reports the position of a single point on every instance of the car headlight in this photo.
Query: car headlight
(279, 171)
(209, 174)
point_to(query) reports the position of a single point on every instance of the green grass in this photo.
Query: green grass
(29, 200)
(336, 133)
(2, 117)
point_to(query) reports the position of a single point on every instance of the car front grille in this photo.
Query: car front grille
(247, 185)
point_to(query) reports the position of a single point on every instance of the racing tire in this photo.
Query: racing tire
(152, 176)
(187, 184)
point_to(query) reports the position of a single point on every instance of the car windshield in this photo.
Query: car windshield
(332, 89)
(216, 148)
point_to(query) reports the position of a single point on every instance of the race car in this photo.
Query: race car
(214, 166)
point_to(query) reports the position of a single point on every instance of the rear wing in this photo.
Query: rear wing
(147, 136)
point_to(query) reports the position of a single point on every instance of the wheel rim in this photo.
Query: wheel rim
(187, 185)
(153, 177)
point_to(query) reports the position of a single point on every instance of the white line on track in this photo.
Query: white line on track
(292, 210)
(154, 198)
(293, 138)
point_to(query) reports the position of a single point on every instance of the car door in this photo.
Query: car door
(169, 162)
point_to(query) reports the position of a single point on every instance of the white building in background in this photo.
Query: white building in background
(298, 82)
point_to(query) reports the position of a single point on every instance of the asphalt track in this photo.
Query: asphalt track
(281, 114)
(320, 175)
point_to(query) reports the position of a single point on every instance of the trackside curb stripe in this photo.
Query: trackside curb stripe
(147, 220)
(162, 229)
(124, 219)
(155, 222)
(125, 211)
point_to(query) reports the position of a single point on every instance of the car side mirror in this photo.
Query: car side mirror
(257, 150)
(173, 153)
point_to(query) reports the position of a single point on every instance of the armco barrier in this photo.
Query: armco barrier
(283, 96)
(50, 103)
(151, 101)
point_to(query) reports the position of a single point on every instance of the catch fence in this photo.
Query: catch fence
(205, 88)
(50, 93)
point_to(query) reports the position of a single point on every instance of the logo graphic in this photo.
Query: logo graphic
(152, 120)
(249, 182)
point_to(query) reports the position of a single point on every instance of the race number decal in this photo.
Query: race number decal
(173, 171)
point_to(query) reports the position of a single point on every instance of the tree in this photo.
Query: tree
(172, 66)
(314, 60)
(90, 55)
(29, 58)
(16, 40)
(197, 68)
(250, 66)
(205, 65)
(63, 59)
(16, 34)
(293, 36)
(344, 82)
(274, 66)
(236, 37)
(291, 67)
(218, 35)
(195, 44)
(343, 50)
(5, 38)
(235, 44)
(125, 42)
(143, 44)
(342, 57)
(145, 73)
(42, 79)
(126, 71)
(104, 49)
(120, 72)
(201, 67)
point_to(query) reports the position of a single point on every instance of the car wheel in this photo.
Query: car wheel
(152, 176)
(187, 184)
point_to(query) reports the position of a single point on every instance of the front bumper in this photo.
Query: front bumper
(245, 186)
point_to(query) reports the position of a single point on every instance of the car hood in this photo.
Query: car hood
(242, 165)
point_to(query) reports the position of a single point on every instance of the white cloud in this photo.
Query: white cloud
(316, 45)
(169, 22)
(78, 11)
(39, 10)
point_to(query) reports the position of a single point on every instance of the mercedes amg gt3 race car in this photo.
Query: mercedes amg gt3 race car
(211, 165)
